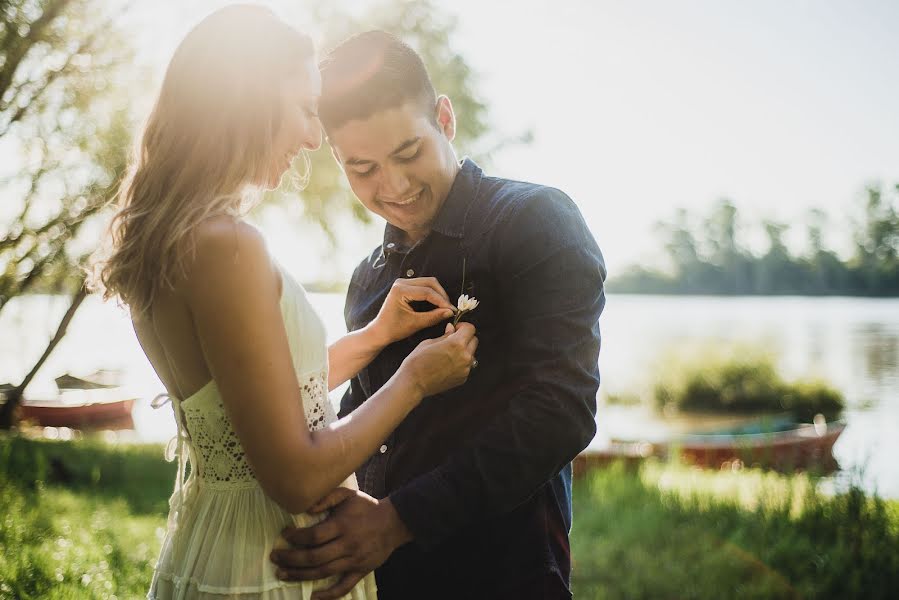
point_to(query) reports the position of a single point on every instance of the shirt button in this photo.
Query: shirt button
(383, 448)
(391, 245)
(410, 273)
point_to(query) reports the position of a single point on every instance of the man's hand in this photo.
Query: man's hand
(357, 537)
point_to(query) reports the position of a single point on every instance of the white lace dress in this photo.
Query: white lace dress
(222, 526)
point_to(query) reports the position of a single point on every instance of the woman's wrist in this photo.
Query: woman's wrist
(408, 385)
(375, 336)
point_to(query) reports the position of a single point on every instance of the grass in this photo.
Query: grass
(674, 532)
(84, 520)
(80, 519)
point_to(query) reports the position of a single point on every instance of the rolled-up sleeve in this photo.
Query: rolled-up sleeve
(550, 275)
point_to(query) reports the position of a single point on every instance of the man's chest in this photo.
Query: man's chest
(459, 269)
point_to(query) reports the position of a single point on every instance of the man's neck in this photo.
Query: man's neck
(411, 238)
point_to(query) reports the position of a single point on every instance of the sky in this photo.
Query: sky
(641, 107)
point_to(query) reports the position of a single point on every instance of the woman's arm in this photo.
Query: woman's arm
(396, 320)
(233, 291)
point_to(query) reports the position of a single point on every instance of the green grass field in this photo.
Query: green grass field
(84, 520)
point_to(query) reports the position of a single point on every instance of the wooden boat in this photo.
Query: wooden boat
(782, 446)
(94, 401)
(779, 443)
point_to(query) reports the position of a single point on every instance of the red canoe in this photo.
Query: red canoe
(799, 447)
(785, 447)
(80, 409)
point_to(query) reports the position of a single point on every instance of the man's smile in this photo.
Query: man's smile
(408, 200)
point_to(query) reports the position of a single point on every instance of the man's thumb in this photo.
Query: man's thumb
(449, 329)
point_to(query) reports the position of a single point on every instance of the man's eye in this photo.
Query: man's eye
(410, 158)
(364, 173)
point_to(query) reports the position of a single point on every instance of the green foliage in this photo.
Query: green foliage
(134, 473)
(63, 116)
(670, 532)
(709, 258)
(741, 381)
(91, 529)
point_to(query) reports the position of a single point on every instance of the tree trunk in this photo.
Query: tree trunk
(14, 396)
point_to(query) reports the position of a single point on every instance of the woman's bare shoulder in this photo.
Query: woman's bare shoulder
(220, 235)
(228, 251)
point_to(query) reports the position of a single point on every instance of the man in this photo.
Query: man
(471, 495)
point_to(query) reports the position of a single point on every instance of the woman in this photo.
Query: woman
(233, 338)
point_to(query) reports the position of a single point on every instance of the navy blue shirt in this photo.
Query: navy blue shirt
(481, 474)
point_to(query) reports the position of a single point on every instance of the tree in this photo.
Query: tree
(66, 132)
(775, 270)
(876, 263)
(717, 264)
(827, 274)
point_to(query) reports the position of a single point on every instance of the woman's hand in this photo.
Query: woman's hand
(397, 319)
(440, 364)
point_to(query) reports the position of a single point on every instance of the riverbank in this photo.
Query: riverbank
(84, 520)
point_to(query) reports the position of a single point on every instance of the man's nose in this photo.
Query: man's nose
(394, 183)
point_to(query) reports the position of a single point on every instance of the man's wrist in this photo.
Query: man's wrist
(397, 532)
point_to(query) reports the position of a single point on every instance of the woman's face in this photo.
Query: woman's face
(299, 126)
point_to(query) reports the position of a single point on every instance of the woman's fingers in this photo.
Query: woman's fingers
(432, 283)
(412, 292)
(465, 332)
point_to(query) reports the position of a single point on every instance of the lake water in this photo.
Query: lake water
(853, 343)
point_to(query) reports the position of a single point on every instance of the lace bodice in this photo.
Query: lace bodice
(215, 450)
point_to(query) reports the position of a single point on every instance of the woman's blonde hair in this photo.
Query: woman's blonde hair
(207, 142)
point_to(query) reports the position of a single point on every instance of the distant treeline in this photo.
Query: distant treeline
(710, 258)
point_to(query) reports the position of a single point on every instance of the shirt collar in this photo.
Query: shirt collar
(450, 221)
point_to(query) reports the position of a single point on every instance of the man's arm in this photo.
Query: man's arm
(551, 280)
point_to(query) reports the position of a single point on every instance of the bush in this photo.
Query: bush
(742, 382)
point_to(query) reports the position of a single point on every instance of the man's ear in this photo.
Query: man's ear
(446, 118)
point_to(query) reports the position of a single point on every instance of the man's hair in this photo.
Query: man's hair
(371, 72)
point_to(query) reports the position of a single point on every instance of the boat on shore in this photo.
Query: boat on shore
(781, 444)
(784, 446)
(95, 401)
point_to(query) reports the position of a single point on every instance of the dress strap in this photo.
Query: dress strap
(178, 447)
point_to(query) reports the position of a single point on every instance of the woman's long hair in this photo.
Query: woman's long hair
(207, 142)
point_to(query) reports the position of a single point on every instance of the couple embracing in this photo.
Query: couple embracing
(447, 473)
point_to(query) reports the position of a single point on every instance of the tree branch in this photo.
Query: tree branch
(14, 396)
(17, 51)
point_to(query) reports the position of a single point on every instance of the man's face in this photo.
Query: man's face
(400, 164)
